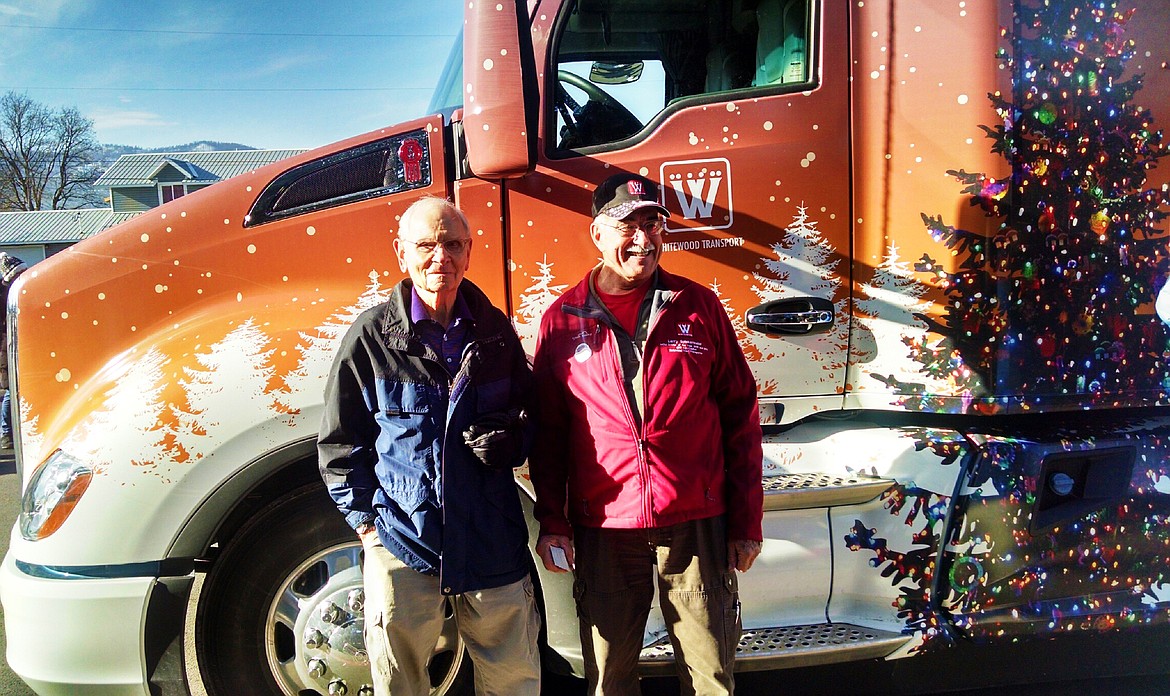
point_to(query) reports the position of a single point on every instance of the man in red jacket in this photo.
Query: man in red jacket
(648, 452)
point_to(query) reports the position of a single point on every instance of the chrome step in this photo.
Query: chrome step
(789, 646)
(804, 491)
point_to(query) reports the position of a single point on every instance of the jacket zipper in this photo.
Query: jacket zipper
(643, 439)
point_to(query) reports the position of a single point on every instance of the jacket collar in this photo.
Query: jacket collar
(396, 328)
(582, 302)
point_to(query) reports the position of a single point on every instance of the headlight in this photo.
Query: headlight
(53, 491)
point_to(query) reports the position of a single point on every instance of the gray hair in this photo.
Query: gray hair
(446, 209)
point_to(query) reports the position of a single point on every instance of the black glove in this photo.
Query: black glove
(497, 438)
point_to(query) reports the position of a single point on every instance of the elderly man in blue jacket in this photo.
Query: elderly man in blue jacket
(423, 424)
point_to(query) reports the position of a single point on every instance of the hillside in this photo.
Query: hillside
(109, 153)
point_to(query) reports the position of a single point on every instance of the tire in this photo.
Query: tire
(281, 611)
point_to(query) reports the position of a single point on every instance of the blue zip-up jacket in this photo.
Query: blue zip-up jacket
(391, 447)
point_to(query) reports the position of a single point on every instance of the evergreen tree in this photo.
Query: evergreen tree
(737, 321)
(804, 266)
(889, 308)
(235, 376)
(131, 417)
(535, 300)
(1056, 303)
(318, 346)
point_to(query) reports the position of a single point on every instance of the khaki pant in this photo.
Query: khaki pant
(404, 617)
(700, 602)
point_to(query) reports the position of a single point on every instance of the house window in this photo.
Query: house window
(171, 192)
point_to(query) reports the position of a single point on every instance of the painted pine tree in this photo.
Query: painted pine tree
(131, 417)
(317, 347)
(744, 335)
(804, 265)
(535, 300)
(235, 377)
(890, 309)
(31, 439)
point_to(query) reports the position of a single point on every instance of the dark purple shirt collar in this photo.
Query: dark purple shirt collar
(447, 344)
(419, 312)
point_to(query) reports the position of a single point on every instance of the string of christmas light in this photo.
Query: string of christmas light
(1058, 303)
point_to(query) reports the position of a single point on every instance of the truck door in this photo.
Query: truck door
(738, 108)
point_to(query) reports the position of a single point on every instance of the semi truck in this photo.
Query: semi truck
(937, 226)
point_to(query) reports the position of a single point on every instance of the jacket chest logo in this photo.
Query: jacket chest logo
(685, 342)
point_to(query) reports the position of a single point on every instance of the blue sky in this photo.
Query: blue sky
(286, 74)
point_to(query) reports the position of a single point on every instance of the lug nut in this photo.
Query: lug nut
(357, 600)
(337, 687)
(317, 667)
(330, 613)
(366, 690)
(314, 639)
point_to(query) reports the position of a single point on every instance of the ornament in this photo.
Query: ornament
(1083, 324)
(1046, 345)
(1092, 79)
(1047, 221)
(994, 189)
(1099, 222)
(1046, 114)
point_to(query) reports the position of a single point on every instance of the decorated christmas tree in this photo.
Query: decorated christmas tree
(1059, 302)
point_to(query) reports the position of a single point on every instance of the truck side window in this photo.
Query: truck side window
(367, 171)
(620, 64)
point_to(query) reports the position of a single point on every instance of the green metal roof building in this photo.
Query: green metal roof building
(137, 183)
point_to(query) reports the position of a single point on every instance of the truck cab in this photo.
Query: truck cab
(945, 290)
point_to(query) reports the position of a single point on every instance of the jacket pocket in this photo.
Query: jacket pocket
(409, 492)
(493, 396)
(406, 442)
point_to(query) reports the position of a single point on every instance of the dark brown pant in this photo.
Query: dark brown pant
(699, 596)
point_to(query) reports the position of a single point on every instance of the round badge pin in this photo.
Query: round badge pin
(583, 353)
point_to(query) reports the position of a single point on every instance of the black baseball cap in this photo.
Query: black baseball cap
(622, 194)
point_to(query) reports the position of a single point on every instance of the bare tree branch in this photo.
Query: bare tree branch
(74, 159)
(47, 157)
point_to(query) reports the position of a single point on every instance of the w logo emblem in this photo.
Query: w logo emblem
(635, 187)
(702, 189)
(684, 329)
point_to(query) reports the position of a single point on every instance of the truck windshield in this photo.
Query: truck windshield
(448, 94)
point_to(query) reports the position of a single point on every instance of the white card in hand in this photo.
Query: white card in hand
(558, 558)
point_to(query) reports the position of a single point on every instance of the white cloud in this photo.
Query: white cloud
(109, 119)
(277, 65)
(41, 9)
(13, 11)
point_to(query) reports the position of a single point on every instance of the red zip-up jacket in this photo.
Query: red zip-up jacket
(696, 451)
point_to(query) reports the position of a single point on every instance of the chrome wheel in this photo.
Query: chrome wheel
(283, 610)
(315, 626)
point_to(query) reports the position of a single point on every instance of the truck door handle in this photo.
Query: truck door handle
(793, 316)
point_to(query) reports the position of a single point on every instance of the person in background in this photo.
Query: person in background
(648, 453)
(10, 268)
(424, 422)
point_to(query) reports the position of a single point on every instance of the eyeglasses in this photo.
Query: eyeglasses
(651, 228)
(452, 247)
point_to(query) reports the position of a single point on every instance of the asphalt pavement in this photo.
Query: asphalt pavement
(10, 684)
